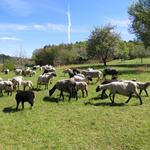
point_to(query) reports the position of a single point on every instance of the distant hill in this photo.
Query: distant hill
(4, 57)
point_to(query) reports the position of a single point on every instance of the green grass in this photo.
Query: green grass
(87, 124)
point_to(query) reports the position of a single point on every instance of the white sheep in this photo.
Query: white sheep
(93, 74)
(123, 88)
(44, 79)
(16, 81)
(82, 85)
(1, 87)
(8, 87)
(79, 78)
(27, 83)
(65, 85)
(18, 71)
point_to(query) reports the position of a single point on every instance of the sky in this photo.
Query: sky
(27, 25)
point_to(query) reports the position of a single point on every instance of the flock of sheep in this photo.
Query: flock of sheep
(78, 80)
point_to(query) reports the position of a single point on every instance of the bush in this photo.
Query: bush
(9, 64)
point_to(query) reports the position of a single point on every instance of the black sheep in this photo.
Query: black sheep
(24, 96)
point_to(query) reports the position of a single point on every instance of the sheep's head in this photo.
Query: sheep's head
(89, 78)
(98, 89)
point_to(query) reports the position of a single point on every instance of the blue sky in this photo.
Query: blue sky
(26, 25)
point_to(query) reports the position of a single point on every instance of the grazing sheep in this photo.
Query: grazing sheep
(24, 96)
(143, 86)
(123, 88)
(76, 70)
(66, 85)
(106, 81)
(44, 79)
(1, 87)
(82, 85)
(110, 71)
(93, 74)
(79, 78)
(16, 81)
(18, 71)
(8, 87)
(1, 79)
(69, 71)
(6, 71)
(27, 83)
(48, 70)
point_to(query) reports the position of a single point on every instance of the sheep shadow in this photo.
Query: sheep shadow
(99, 97)
(50, 99)
(9, 110)
(105, 104)
(36, 89)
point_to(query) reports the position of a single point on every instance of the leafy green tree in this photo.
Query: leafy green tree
(122, 50)
(102, 43)
(139, 14)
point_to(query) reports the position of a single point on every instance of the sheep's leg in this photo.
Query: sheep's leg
(129, 98)
(103, 92)
(86, 92)
(17, 105)
(110, 97)
(61, 95)
(139, 97)
(82, 93)
(140, 92)
(70, 94)
(146, 92)
(22, 105)
(76, 95)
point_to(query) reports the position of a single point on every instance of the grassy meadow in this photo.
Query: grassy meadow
(87, 124)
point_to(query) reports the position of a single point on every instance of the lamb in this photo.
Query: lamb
(66, 85)
(123, 88)
(27, 83)
(82, 85)
(44, 79)
(24, 96)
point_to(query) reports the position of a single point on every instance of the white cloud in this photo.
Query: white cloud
(119, 22)
(46, 27)
(7, 38)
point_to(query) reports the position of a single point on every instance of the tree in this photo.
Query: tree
(139, 13)
(102, 43)
(122, 50)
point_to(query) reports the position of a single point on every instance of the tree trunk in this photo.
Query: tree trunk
(104, 61)
(141, 59)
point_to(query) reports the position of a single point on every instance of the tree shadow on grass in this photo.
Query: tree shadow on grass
(50, 99)
(9, 110)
